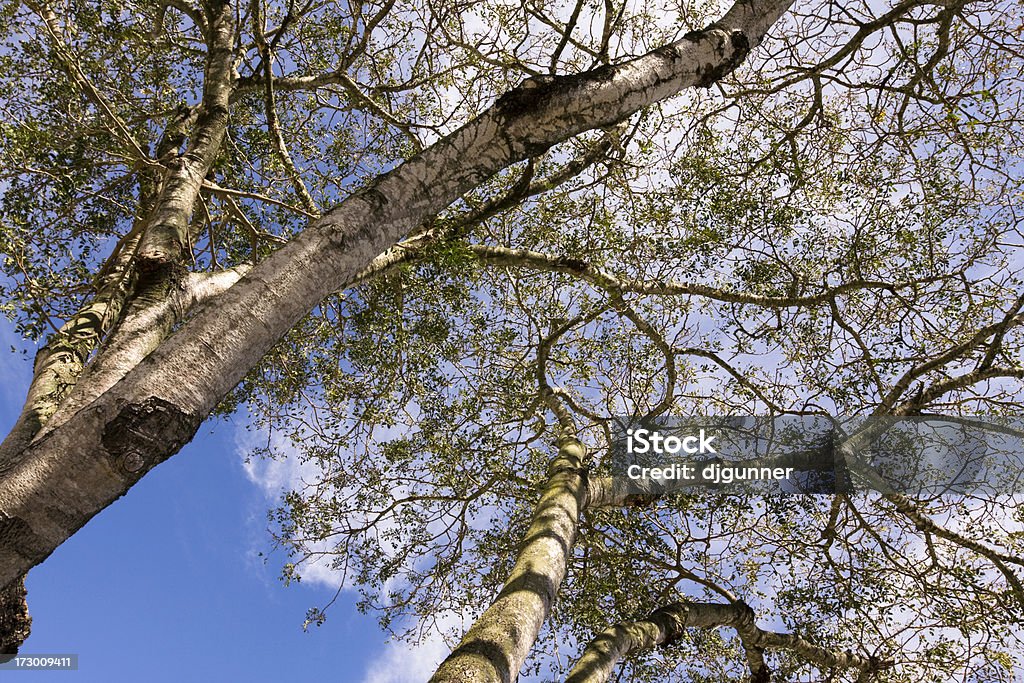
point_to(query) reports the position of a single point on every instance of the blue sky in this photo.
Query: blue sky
(166, 584)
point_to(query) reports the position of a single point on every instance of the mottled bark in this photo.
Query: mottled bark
(60, 362)
(15, 622)
(137, 335)
(167, 235)
(134, 290)
(146, 324)
(496, 646)
(56, 371)
(668, 624)
(156, 239)
(661, 627)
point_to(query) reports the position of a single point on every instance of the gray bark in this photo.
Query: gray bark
(143, 329)
(133, 284)
(668, 623)
(496, 646)
(661, 627)
(166, 237)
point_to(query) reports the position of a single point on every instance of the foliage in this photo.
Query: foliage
(804, 236)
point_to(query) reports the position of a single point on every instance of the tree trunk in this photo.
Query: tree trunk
(496, 646)
(667, 624)
(661, 627)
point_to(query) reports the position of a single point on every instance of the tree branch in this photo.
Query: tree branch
(526, 258)
(270, 105)
(667, 624)
(73, 70)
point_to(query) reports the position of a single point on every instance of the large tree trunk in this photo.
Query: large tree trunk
(69, 474)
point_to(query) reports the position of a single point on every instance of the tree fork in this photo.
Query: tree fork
(152, 250)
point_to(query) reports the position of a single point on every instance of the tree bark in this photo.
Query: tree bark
(496, 646)
(15, 622)
(661, 627)
(667, 624)
(136, 288)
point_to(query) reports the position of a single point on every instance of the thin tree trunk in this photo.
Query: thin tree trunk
(496, 646)
(668, 624)
(661, 627)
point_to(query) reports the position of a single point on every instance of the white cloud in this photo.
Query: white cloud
(397, 661)
(401, 662)
(285, 472)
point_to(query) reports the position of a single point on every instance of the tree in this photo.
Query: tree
(829, 228)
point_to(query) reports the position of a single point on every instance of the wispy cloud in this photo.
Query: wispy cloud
(274, 476)
(402, 662)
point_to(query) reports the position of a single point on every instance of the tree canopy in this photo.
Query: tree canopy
(435, 249)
